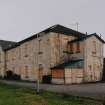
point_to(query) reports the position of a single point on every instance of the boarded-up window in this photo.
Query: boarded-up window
(13, 55)
(90, 67)
(58, 73)
(98, 67)
(7, 57)
(26, 50)
(26, 72)
(40, 72)
(39, 45)
(78, 47)
(40, 66)
(71, 47)
(94, 47)
(19, 53)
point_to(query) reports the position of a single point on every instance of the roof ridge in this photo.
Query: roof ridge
(55, 28)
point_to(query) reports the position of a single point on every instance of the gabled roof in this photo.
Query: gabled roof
(5, 44)
(67, 31)
(86, 37)
(97, 36)
(57, 29)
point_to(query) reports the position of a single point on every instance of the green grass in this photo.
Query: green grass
(11, 95)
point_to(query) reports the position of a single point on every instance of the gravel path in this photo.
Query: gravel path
(95, 90)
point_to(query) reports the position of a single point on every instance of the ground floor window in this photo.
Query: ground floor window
(26, 72)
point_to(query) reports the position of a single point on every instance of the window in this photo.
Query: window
(98, 67)
(90, 67)
(7, 57)
(25, 50)
(40, 72)
(94, 47)
(40, 52)
(13, 55)
(40, 66)
(26, 72)
(48, 41)
(78, 47)
(19, 53)
(71, 47)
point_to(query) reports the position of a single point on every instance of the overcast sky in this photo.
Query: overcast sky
(20, 19)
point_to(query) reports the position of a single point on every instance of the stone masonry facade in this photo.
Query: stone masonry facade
(34, 57)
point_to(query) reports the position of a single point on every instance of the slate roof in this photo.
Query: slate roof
(86, 37)
(56, 28)
(66, 64)
(97, 36)
(5, 44)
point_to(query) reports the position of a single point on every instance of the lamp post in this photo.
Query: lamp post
(38, 90)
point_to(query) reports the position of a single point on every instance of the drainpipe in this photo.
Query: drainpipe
(85, 59)
(64, 76)
(38, 68)
(5, 63)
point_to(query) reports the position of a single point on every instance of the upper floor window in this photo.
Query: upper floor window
(19, 53)
(40, 66)
(13, 55)
(26, 50)
(71, 47)
(90, 67)
(94, 47)
(78, 47)
(7, 57)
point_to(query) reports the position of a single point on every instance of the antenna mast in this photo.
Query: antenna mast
(76, 25)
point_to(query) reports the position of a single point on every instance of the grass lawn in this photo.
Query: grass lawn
(11, 95)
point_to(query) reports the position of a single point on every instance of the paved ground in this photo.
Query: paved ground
(95, 90)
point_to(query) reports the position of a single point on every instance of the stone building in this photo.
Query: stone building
(66, 55)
